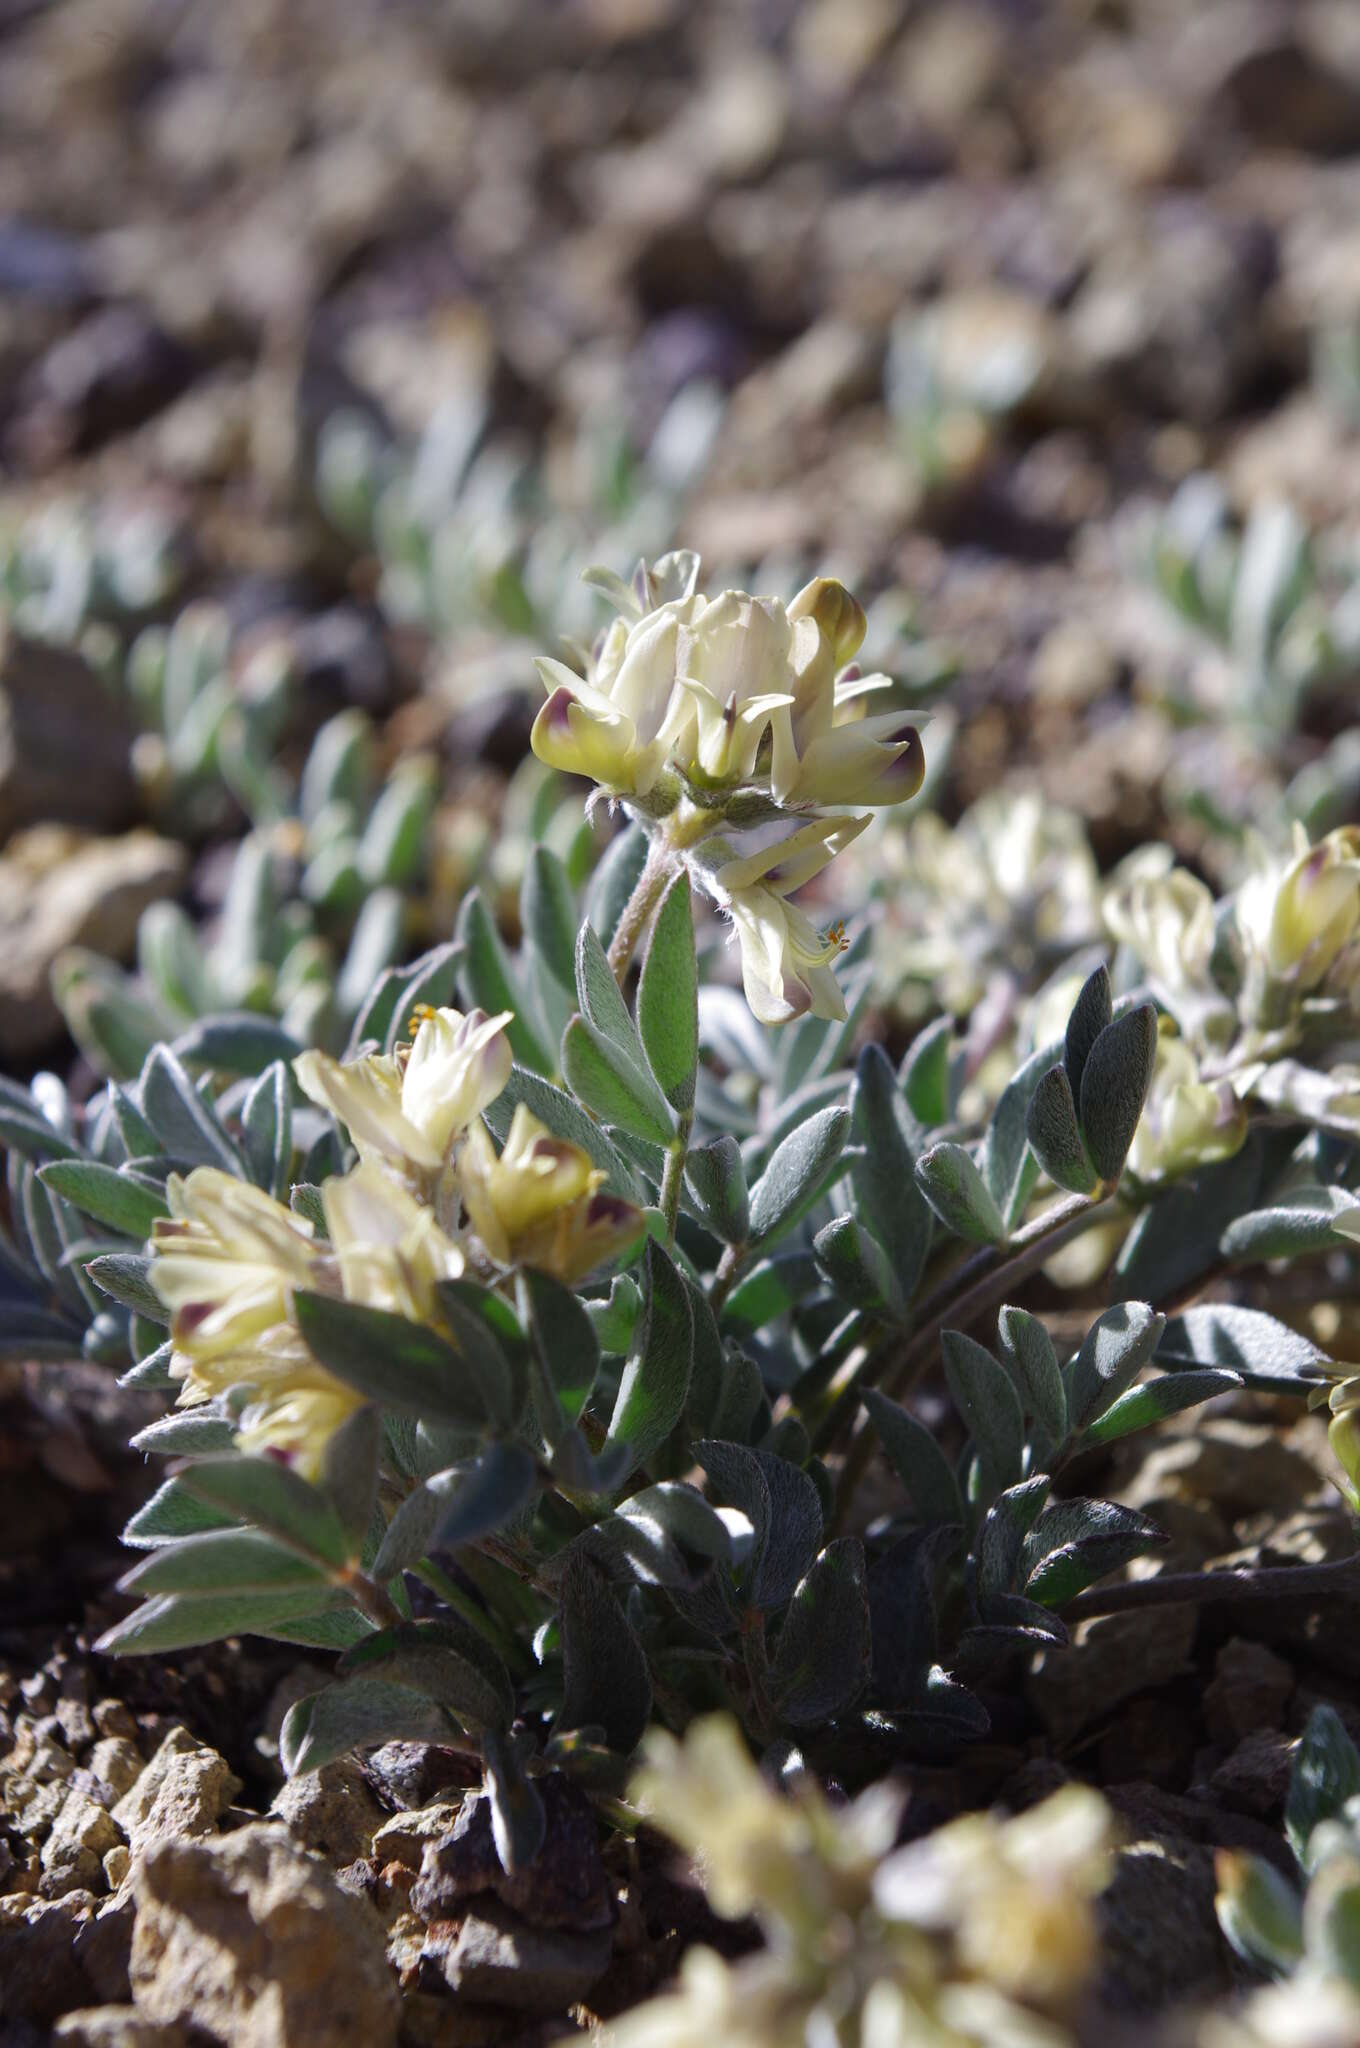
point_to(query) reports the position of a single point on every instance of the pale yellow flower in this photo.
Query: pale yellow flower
(1018, 1894)
(785, 961)
(541, 1201)
(1166, 916)
(224, 1259)
(707, 1794)
(1296, 915)
(296, 1426)
(390, 1249)
(408, 1112)
(1186, 1122)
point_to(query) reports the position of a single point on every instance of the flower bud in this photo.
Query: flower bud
(1297, 916)
(839, 615)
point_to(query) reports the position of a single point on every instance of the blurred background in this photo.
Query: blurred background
(338, 336)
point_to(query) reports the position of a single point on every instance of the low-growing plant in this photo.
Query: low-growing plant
(530, 1356)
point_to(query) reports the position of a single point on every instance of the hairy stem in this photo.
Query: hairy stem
(473, 1613)
(656, 872)
(1306, 1582)
(673, 1179)
(980, 1283)
(371, 1599)
(729, 1265)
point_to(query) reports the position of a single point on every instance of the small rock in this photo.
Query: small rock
(59, 890)
(1255, 1778)
(72, 1857)
(332, 1810)
(103, 1947)
(411, 1775)
(1107, 1662)
(37, 1945)
(114, 2026)
(250, 1938)
(64, 742)
(76, 1724)
(112, 1717)
(498, 1959)
(117, 1764)
(1250, 1690)
(184, 1790)
(1241, 1466)
(117, 1863)
(564, 1886)
(402, 1839)
(1160, 1941)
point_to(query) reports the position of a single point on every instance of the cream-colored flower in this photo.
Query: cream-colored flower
(728, 691)
(295, 1426)
(390, 1249)
(1186, 1122)
(541, 1202)
(1296, 915)
(785, 961)
(1016, 1894)
(1166, 916)
(707, 1794)
(409, 1111)
(224, 1259)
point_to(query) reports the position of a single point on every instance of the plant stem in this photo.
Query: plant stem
(472, 1612)
(729, 1265)
(980, 1283)
(673, 1178)
(371, 1599)
(1245, 1582)
(656, 871)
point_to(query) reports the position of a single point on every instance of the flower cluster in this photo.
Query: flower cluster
(428, 1200)
(967, 1936)
(709, 717)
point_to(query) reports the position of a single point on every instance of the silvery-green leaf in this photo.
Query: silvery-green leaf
(950, 1180)
(1114, 1086)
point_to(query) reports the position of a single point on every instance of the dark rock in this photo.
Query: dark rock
(115, 370)
(564, 1886)
(496, 1958)
(1284, 96)
(1255, 1778)
(408, 1775)
(64, 742)
(1250, 1690)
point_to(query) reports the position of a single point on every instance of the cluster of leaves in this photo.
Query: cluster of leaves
(319, 903)
(565, 1511)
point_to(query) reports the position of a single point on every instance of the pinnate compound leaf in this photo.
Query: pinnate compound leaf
(357, 1713)
(606, 1680)
(917, 1459)
(655, 1381)
(668, 997)
(1055, 1134)
(1092, 1013)
(1076, 1542)
(388, 1359)
(121, 1199)
(822, 1657)
(1113, 1353)
(949, 1178)
(797, 1174)
(982, 1392)
(1028, 1356)
(275, 1499)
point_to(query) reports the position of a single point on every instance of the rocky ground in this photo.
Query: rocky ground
(949, 294)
